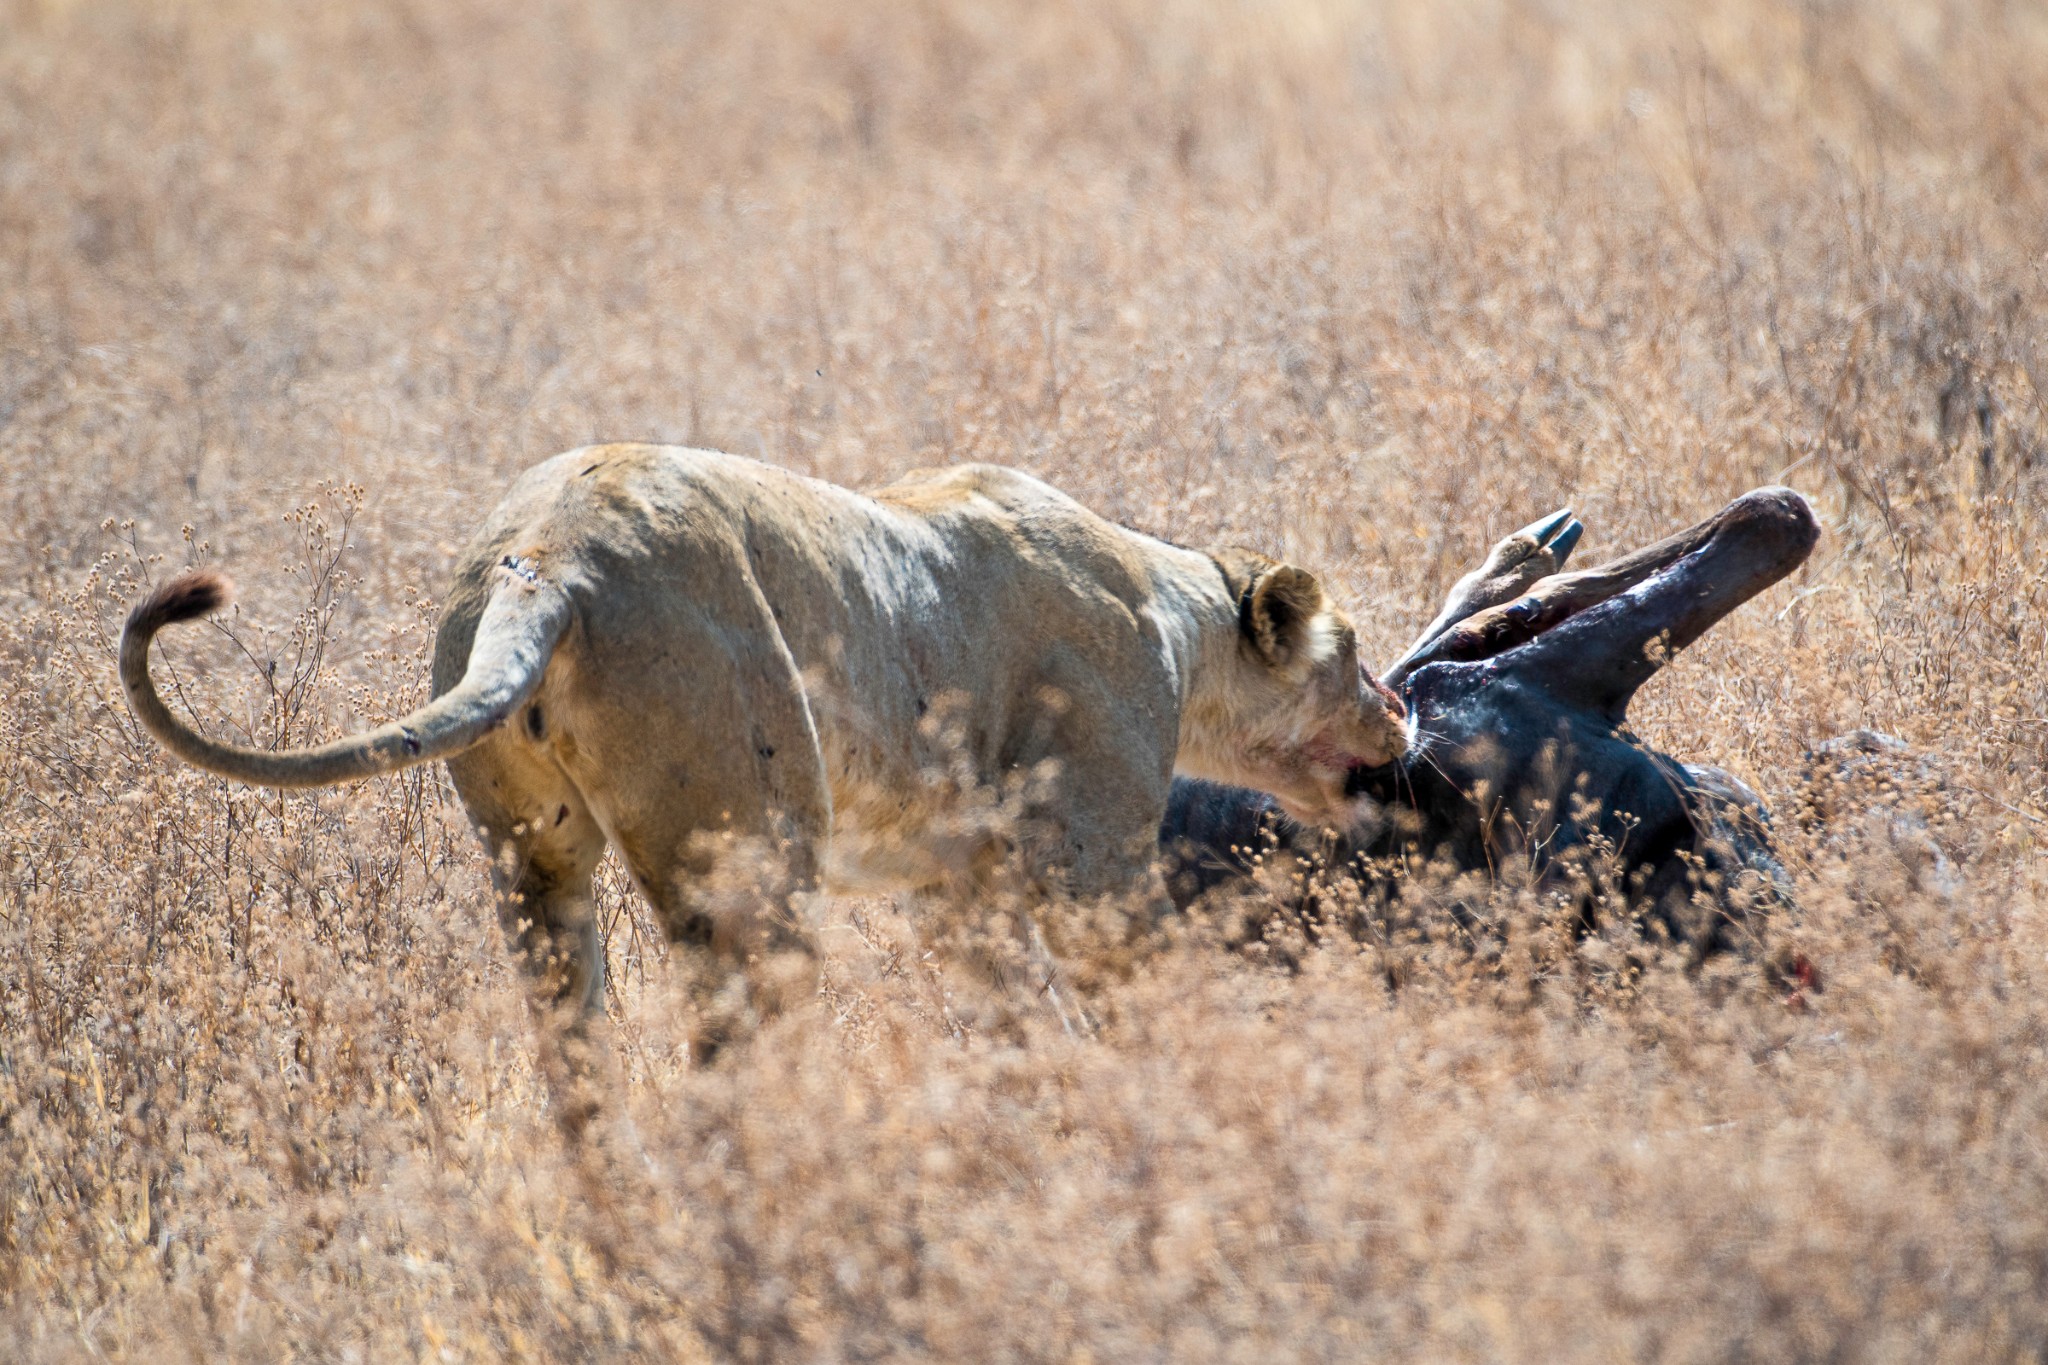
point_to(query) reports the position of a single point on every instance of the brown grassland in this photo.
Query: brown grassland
(295, 289)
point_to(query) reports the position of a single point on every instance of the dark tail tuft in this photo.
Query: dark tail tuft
(186, 597)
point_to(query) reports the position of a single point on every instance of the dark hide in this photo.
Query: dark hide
(1518, 696)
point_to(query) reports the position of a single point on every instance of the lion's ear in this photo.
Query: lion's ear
(1280, 614)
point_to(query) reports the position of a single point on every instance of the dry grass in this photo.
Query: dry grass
(1368, 284)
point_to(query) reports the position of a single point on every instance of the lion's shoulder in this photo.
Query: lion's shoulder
(968, 487)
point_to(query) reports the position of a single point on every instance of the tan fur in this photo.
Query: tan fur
(665, 650)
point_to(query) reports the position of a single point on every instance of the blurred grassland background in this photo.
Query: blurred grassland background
(297, 288)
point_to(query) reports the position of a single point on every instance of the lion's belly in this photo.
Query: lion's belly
(924, 800)
(888, 837)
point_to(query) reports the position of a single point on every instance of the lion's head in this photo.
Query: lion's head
(1301, 713)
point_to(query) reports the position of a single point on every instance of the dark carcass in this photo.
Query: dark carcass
(1517, 699)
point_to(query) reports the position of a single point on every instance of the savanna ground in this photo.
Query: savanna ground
(296, 289)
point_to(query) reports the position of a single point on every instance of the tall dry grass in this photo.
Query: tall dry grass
(295, 289)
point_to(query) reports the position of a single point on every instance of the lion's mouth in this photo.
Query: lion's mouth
(1369, 779)
(1324, 754)
(1337, 759)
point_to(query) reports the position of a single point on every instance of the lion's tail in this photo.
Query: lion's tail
(515, 638)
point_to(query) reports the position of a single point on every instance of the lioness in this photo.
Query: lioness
(656, 647)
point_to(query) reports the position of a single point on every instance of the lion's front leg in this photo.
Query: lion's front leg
(1105, 895)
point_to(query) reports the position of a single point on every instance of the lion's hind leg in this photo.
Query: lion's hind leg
(544, 845)
(705, 771)
(735, 898)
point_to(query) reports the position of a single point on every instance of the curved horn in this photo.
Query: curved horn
(1530, 555)
(1646, 607)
